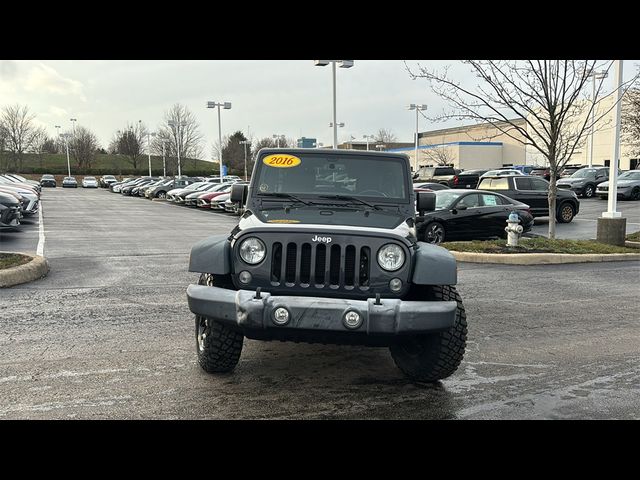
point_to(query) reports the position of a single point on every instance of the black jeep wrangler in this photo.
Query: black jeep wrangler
(326, 251)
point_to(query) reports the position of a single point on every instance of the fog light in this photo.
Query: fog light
(395, 285)
(280, 316)
(352, 319)
(244, 277)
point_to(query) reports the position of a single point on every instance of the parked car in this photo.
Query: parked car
(585, 181)
(470, 215)
(569, 170)
(107, 180)
(140, 190)
(501, 172)
(69, 182)
(48, 181)
(160, 191)
(89, 182)
(205, 199)
(628, 186)
(442, 175)
(127, 188)
(467, 178)
(544, 172)
(191, 200)
(9, 211)
(117, 186)
(534, 192)
(178, 194)
(20, 179)
(12, 180)
(217, 203)
(526, 169)
(28, 198)
(429, 186)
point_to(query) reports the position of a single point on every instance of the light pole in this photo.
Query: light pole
(368, 137)
(226, 106)
(164, 161)
(341, 64)
(335, 137)
(177, 126)
(417, 108)
(595, 76)
(66, 138)
(58, 129)
(278, 138)
(149, 135)
(245, 143)
(73, 125)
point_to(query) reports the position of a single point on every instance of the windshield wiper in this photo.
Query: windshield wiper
(283, 195)
(348, 198)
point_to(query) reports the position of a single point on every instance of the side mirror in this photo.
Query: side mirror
(461, 207)
(415, 176)
(239, 193)
(426, 201)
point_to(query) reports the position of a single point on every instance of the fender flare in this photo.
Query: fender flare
(434, 265)
(211, 255)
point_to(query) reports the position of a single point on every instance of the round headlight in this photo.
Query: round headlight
(391, 257)
(252, 250)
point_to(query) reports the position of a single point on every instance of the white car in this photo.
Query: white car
(89, 182)
(504, 172)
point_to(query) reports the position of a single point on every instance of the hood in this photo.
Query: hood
(621, 183)
(317, 214)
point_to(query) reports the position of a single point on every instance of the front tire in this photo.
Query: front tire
(635, 194)
(162, 195)
(218, 347)
(434, 233)
(435, 356)
(588, 191)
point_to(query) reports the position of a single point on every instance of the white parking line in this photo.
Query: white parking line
(40, 248)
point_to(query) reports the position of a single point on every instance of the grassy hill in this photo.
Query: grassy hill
(107, 165)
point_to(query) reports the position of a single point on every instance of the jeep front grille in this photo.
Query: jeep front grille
(335, 266)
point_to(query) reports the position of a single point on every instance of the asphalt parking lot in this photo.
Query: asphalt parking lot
(108, 334)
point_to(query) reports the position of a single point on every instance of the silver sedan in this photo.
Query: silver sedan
(628, 186)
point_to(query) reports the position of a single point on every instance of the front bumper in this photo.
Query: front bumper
(392, 317)
(575, 188)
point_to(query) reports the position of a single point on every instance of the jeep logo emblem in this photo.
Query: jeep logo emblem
(321, 239)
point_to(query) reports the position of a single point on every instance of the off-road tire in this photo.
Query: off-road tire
(220, 348)
(435, 356)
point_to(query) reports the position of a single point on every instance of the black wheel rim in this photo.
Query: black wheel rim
(435, 234)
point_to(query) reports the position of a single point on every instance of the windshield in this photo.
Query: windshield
(585, 172)
(90, 178)
(380, 178)
(445, 198)
(630, 176)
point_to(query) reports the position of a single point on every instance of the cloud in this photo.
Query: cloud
(42, 78)
(8, 69)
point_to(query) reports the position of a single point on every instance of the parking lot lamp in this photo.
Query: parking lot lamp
(245, 143)
(417, 108)
(164, 161)
(226, 106)
(341, 64)
(368, 137)
(73, 125)
(149, 135)
(66, 142)
(613, 165)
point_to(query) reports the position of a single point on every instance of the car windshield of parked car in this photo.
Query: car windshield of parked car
(584, 172)
(446, 198)
(629, 175)
(48, 177)
(382, 178)
(91, 179)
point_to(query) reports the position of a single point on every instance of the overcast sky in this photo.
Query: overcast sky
(290, 97)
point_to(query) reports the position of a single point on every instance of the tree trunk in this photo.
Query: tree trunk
(552, 204)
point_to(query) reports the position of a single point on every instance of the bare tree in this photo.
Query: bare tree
(630, 124)
(40, 143)
(550, 95)
(130, 142)
(385, 136)
(440, 155)
(18, 128)
(179, 130)
(85, 143)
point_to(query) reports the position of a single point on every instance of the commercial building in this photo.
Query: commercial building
(307, 142)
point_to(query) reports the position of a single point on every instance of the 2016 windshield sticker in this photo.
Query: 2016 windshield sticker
(281, 160)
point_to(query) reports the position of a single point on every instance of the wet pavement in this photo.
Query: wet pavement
(108, 334)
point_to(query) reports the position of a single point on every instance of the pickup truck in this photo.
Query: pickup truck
(442, 175)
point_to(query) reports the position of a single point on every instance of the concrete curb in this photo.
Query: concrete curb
(541, 258)
(630, 244)
(37, 268)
